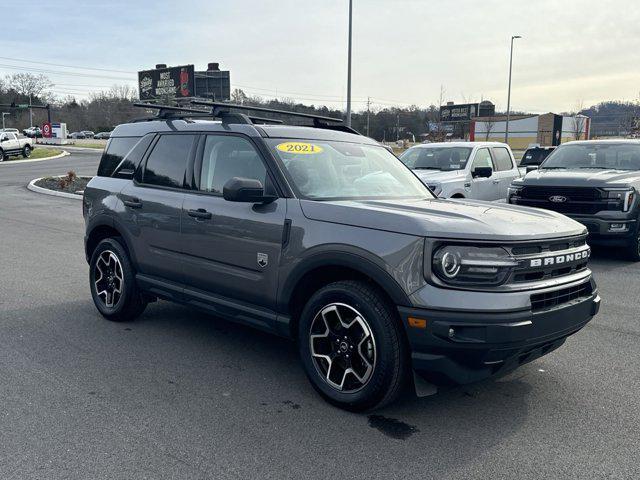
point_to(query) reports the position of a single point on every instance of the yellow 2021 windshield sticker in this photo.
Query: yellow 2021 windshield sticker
(301, 148)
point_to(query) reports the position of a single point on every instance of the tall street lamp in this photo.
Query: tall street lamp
(348, 122)
(506, 130)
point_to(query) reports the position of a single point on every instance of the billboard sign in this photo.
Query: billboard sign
(46, 130)
(172, 82)
(458, 113)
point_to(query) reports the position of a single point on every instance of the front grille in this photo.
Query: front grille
(562, 265)
(576, 200)
(544, 301)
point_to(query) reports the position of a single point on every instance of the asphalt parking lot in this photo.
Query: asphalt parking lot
(180, 394)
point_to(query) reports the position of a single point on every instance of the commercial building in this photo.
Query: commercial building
(548, 129)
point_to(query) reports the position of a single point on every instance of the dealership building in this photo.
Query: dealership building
(548, 129)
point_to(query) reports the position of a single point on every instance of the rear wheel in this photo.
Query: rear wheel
(26, 151)
(352, 346)
(112, 282)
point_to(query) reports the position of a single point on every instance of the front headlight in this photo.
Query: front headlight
(623, 195)
(468, 266)
(513, 191)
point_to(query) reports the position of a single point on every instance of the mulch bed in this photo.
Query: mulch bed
(59, 185)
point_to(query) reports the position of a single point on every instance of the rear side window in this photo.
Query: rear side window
(116, 150)
(502, 159)
(128, 165)
(167, 162)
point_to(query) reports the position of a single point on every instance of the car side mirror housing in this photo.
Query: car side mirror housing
(482, 172)
(4, 139)
(531, 168)
(247, 190)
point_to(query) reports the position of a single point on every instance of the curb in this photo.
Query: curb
(34, 188)
(20, 162)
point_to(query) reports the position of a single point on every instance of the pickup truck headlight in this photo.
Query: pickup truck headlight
(513, 191)
(467, 266)
(623, 195)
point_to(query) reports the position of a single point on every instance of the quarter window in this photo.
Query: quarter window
(116, 150)
(503, 159)
(167, 162)
(226, 157)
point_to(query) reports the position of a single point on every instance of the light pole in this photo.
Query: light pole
(506, 130)
(348, 122)
(3, 114)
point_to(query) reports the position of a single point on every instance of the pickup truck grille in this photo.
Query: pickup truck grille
(576, 200)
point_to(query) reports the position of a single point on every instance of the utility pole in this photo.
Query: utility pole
(506, 130)
(348, 122)
(30, 113)
(397, 127)
(368, 114)
(3, 115)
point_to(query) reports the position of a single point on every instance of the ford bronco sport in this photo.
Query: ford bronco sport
(320, 234)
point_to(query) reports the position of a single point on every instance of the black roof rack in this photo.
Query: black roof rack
(319, 121)
(170, 112)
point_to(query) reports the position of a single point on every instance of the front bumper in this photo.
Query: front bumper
(598, 228)
(458, 347)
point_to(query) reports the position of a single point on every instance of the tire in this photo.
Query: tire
(380, 358)
(112, 282)
(26, 151)
(633, 249)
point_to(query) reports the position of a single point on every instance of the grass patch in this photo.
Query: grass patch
(37, 153)
(90, 145)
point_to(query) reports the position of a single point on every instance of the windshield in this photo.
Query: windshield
(615, 156)
(436, 158)
(324, 170)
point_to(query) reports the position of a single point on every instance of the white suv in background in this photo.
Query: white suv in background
(478, 170)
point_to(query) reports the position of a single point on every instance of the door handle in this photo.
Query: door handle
(200, 213)
(133, 202)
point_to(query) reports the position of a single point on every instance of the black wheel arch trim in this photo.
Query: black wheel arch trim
(105, 220)
(354, 260)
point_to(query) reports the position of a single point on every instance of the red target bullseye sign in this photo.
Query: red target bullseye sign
(46, 130)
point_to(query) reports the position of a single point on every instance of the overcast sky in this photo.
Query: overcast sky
(403, 51)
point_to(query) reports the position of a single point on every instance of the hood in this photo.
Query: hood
(446, 218)
(583, 177)
(438, 176)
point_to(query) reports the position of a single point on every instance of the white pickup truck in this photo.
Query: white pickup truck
(477, 170)
(11, 144)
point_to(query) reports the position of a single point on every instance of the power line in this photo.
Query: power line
(66, 66)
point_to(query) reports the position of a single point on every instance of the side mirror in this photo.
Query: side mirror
(482, 172)
(531, 168)
(4, 139)
(245, 190)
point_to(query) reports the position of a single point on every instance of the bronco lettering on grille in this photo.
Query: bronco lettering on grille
(559, 259)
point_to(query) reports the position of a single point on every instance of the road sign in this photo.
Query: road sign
(46, 130)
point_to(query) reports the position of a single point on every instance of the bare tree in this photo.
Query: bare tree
(579, 121)
(489, 126)
(28, 84)
(238, 96)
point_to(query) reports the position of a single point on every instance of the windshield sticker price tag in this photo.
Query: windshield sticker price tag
(301, 148)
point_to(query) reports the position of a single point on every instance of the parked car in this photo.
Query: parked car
(77, 135)
(11, 130)
(320, 234)
(102, 135)
(478, 170)
(12, 145)
(533, 157)
(593, 182)
(32, 132)
(88, 133)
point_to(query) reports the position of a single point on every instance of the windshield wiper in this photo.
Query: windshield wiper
(553, 168)
(427, 168)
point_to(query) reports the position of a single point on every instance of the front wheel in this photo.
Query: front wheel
(352, 346)
(112, 282)
(634, 247)
(26, 151)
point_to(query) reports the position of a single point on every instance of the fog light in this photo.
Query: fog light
(618, 227)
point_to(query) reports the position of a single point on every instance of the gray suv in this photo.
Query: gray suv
(320, 234)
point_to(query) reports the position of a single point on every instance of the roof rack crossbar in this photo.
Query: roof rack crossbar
(176, 113)
(221, 105)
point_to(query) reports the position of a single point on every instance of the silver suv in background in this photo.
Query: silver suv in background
(477, 170)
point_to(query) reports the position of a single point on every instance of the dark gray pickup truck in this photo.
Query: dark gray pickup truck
(320, 234)
(593, 182)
